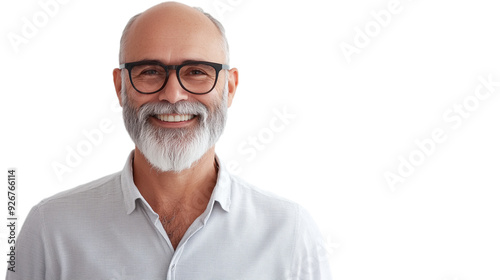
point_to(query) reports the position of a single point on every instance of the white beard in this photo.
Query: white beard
(174, 149)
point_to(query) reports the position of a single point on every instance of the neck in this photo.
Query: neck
(161, 189)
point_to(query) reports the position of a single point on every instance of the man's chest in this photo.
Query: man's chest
(176, 222)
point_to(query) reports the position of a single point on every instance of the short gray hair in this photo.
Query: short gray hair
(220, 27)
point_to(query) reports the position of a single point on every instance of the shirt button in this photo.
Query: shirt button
(172, 267)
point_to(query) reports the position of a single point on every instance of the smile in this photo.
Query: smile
(174, 118)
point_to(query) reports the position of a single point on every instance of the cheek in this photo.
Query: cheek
(209, 100)
(137, 99)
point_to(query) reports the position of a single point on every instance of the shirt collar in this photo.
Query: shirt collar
(222, 189)
(221, 192)
(130, 191)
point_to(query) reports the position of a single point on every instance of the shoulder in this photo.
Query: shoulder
(89, 195)
(246, 193)
(96, 186)
(267, 206)
(264, 205)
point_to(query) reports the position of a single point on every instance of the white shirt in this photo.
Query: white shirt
(106, 230)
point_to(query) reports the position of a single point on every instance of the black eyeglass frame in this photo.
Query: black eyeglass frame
(217, 66)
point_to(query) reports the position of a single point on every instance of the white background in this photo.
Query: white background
(355, 118)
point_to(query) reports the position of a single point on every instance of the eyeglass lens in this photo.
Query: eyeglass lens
(196, 78)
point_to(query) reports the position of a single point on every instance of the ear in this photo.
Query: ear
(117, 79)
(232, 84)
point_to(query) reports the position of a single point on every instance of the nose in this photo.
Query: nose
(172, 92)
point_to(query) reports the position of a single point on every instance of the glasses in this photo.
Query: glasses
(151, 76)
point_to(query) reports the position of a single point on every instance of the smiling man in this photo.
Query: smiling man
(173, 212)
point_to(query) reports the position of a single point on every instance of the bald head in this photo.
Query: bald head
(160, 27)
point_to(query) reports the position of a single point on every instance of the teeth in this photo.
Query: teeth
(174, 118)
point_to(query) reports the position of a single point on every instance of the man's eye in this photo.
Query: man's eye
(197, 72)
(148, 72)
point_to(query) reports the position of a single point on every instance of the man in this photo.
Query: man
(174, 212)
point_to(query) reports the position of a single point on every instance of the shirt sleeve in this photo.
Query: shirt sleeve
(30, 249)
(310, 258)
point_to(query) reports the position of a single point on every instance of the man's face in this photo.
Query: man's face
(174, 36)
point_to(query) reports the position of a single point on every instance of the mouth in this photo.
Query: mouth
(174, 118)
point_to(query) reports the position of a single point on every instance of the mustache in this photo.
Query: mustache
(181, 107)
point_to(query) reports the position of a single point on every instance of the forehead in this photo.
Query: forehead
(173, 35)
